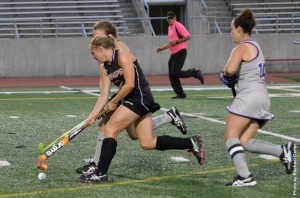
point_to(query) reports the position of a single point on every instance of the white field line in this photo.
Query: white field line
(36, 92)
(64, 87)
(283, 89)
(222, 122)
(283, 95)
(154, 88)
(87, 91)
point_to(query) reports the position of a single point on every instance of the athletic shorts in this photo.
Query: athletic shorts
(141, 102)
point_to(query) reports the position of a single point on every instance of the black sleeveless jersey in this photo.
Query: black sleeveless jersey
(116, 74)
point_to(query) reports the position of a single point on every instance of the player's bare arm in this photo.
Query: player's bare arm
(126, 64)
(104, 85)
(234, 61)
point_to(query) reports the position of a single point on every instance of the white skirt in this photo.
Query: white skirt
(252, 104)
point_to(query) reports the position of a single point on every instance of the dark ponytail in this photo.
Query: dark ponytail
(245, 20)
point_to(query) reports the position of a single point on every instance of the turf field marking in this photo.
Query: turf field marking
(95, 92)
(295, 111)
(189, 88)
(285, 88)
(36, 92)
(180, 159)
(62, 98)
(222, 122)
(284, 95)
(71, 116)
(14, 117)
(4, 163)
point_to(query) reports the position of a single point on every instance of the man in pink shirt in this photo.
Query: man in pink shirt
(178, 36)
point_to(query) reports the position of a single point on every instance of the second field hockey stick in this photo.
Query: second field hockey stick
(41, 161)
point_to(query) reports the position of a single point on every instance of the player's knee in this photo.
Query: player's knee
(110, 131)
(146, 145)
(244, 142)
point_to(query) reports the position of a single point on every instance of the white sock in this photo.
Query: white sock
(98, 147)
(160, 120)
(236, 152)
(259, 146)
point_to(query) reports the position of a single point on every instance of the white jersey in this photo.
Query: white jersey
(252, 99)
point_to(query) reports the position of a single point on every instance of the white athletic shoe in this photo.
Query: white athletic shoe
(93, 178)
(288, 157)
(177, 120)
(239, 181)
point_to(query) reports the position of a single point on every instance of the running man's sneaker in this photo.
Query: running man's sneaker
(177, 120)
(197, 149)
(239, 181)
(87, 169)
(183, 96)
(93, 178)
(199, 76)
(288, 157)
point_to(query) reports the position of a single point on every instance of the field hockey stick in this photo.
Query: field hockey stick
(42, 147)
(41, 161)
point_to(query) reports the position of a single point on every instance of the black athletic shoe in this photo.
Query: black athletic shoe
(288, 157)
(177, 120)
(239, 181)
(199, 76)
(179, 97)
(87, 169)
(197, 149)
(93, 178)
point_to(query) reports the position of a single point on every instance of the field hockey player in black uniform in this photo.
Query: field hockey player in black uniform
(135, 111)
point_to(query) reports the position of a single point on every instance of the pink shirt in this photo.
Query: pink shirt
(172, 35)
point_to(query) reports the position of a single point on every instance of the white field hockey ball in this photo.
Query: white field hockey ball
(42, 177)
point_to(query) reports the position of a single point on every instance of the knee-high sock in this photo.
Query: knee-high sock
(167, 143)
(100, 138)
(259, 146)
(160, 120)
(108, 151)
(236, 152)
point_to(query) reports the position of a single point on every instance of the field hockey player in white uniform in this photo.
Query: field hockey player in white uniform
(249, 110)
